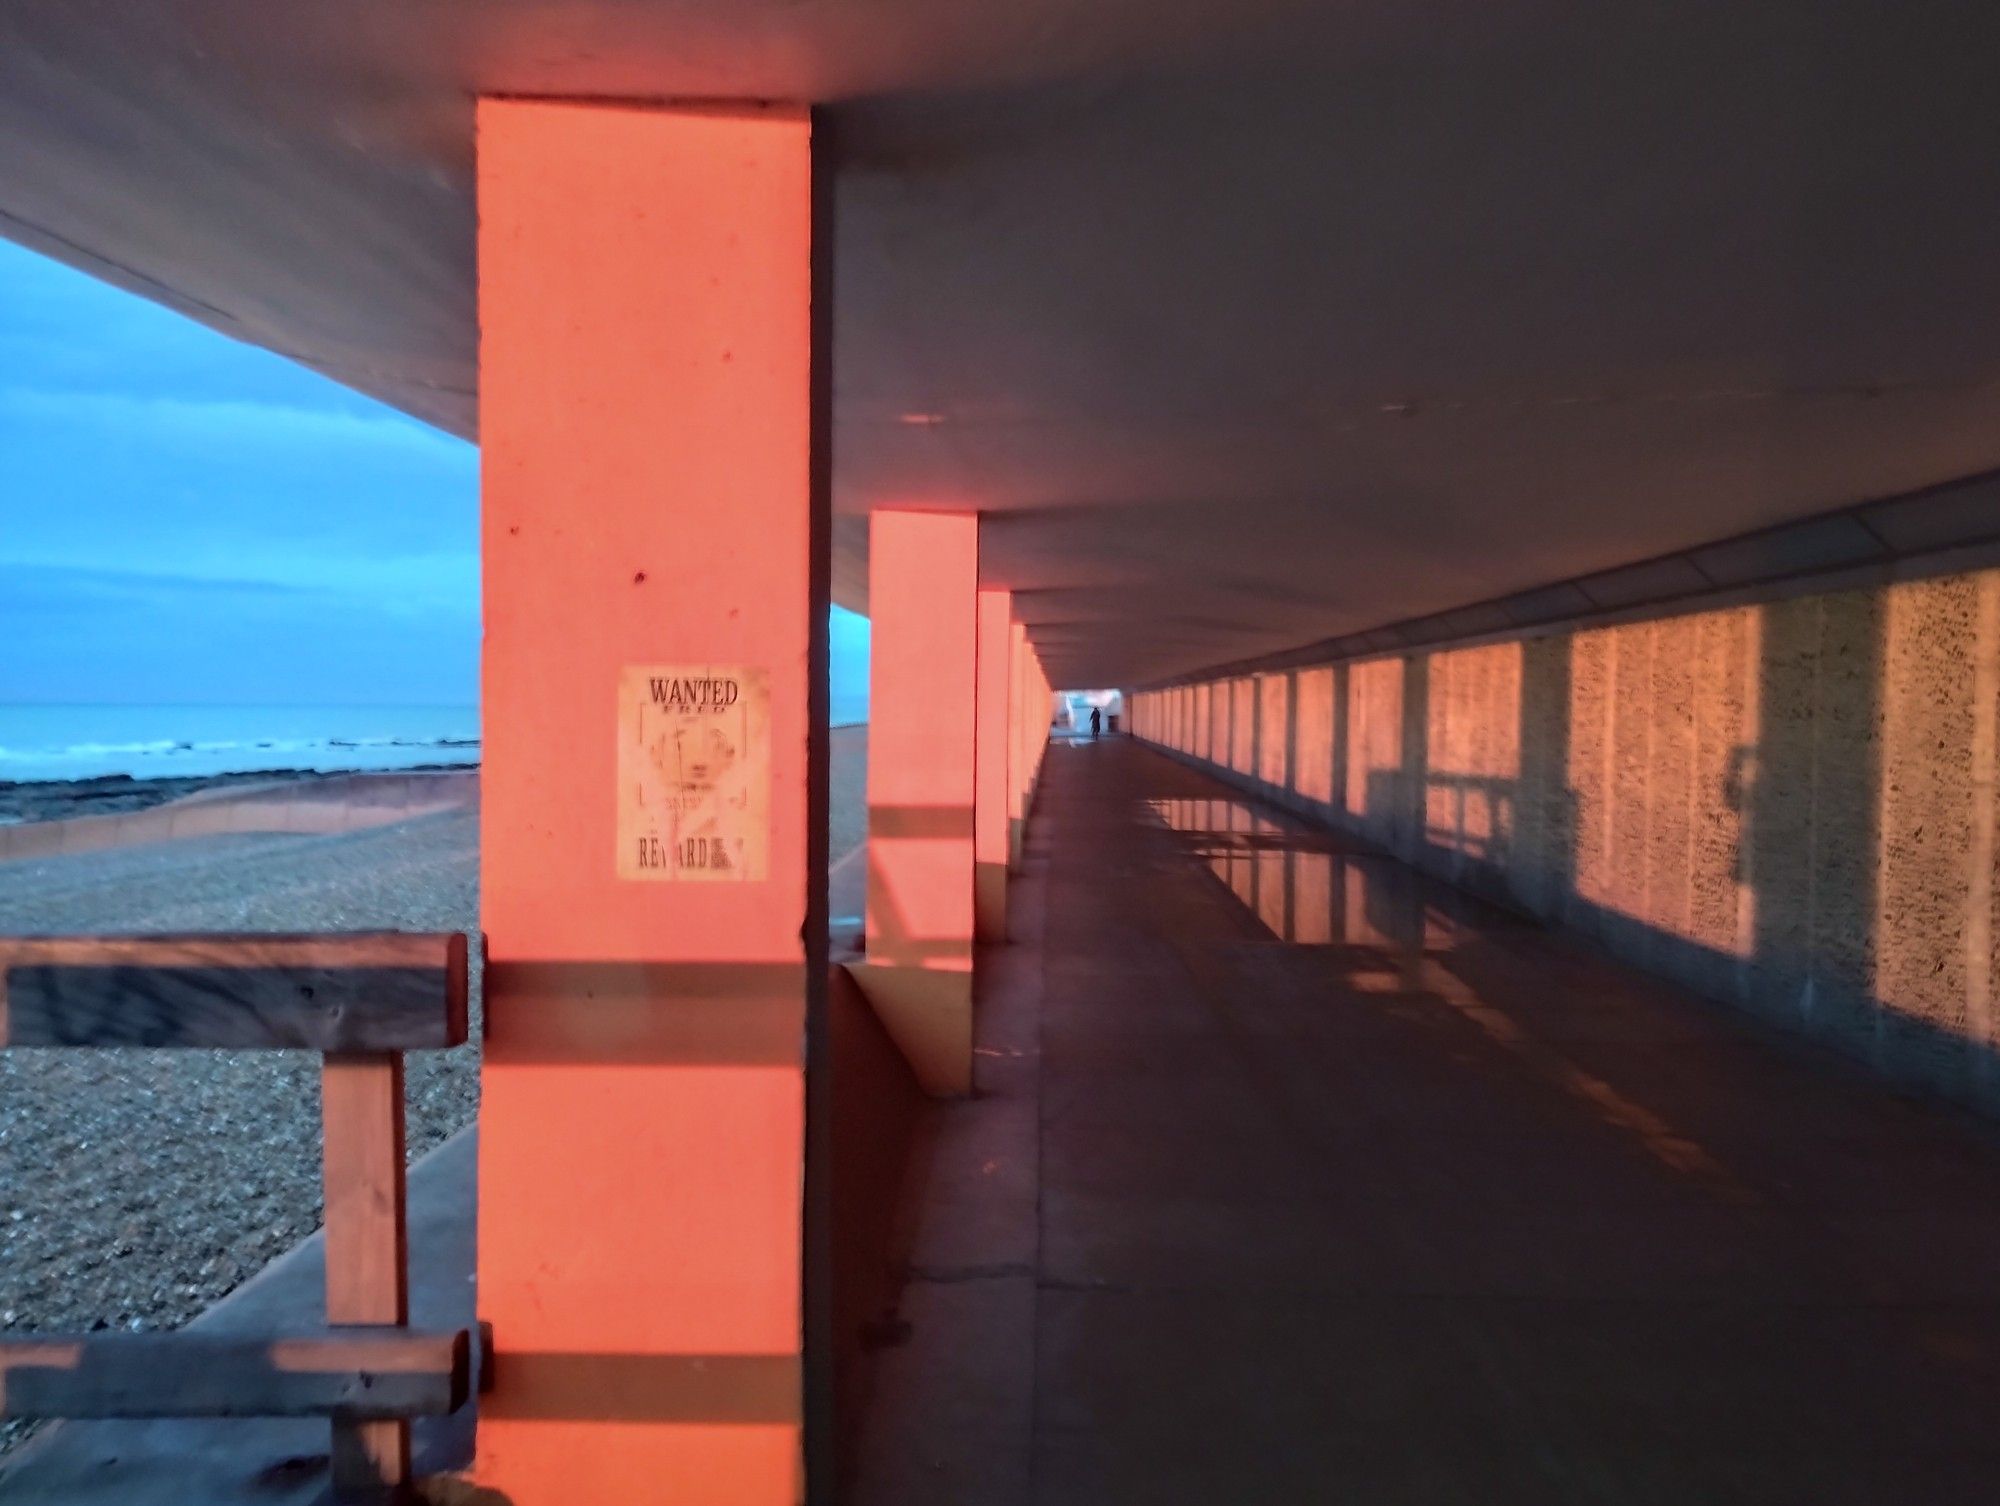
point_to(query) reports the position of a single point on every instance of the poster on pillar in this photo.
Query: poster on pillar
(694, 773)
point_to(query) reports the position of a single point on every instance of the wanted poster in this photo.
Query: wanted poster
(694, 773)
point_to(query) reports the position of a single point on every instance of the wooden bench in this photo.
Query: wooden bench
(361, 999)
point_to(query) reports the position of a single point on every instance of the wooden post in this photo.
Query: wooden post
(367, 1247)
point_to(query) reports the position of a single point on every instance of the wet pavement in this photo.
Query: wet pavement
(1342, 1186)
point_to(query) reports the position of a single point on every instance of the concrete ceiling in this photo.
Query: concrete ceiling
(1249, 322)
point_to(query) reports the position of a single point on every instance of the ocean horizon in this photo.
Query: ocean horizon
(53, 741)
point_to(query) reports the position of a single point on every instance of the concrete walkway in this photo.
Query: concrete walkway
(1262, 1201)
(268, 1461)
(1296, 1179)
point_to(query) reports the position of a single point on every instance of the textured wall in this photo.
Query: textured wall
(1243, 726)
(1373, 799)
(1313, 734)
(1472, 741)
(1273, 729)
(1789, 806)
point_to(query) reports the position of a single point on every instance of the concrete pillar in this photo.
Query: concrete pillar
(923, 583)
(1031, 736)
(991, 801)
(1018, 717)
(1041, 696)
(1274, 727)
(653, 831)
(1242, 753)
(1312, 738)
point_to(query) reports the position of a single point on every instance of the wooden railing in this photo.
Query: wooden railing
(360, 999)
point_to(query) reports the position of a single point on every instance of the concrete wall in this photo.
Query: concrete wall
(1788, 806)
(1313, 736)
(1273, 739)
(316, 804)
(1243, 726)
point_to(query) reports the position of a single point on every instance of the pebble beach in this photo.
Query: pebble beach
(137, 1187)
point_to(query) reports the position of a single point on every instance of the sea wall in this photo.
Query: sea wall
(1788, 806)
(316, 803)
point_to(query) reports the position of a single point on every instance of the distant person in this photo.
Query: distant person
(1096, 722)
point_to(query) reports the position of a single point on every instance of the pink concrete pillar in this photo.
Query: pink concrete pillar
(923, 584)
(1047, 691)
(1017, 743)
(653, 830)
(1043, 694)
(991, 803)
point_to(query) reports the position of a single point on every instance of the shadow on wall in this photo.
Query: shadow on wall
(1790, 807)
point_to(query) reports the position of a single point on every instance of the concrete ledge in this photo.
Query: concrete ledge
(989, 902)
(950, 1414)
(928, 1013)
(875, 1149)
(310, 806)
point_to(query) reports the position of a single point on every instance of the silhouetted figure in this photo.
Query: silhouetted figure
(1096, 721)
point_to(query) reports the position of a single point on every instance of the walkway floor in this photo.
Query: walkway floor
(1297, 1179)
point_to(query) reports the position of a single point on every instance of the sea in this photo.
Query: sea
(46, 741)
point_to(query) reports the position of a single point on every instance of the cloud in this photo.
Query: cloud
(184, 518)
(50, 587)
(88, 635)
(187, 518)
(212, 424)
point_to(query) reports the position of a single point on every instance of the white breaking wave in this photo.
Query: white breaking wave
(49, 743)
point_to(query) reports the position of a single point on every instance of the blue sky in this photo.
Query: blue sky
(187, 519)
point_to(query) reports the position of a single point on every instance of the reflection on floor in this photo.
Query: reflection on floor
(1311, 889)
(1334, 1185)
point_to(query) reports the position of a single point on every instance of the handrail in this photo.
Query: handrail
(361, 999)
(371, 991)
